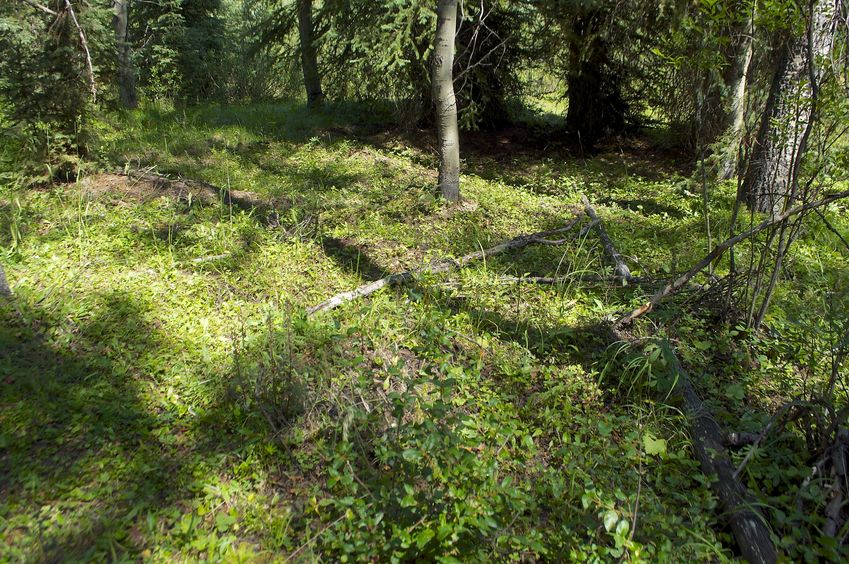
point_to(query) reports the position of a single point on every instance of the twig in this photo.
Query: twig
(673, 286)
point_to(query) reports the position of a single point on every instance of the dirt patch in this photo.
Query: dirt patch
(144, 186)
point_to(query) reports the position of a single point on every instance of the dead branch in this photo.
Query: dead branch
(749, 528)
(84, 43)
(40, 7)
(673, 286)
(567, 279)
(441, 266)
(620, 269)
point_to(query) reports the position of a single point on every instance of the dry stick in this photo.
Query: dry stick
(443, 266)
(675, 285)
(749, 528)
(89, 67)
(621, 270)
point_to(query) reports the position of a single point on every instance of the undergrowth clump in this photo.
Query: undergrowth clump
(165, 394)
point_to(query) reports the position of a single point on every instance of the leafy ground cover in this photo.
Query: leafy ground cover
(165, 395)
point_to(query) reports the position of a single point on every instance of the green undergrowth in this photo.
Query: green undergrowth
(165, 395)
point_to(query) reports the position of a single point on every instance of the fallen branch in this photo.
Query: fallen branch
(555, 280)
(442, 266)
(672, 287)
(620, 270)
(749, 528)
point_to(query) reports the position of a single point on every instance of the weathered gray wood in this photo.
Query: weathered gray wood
(748, 526)
(441, 266)
(620, 269)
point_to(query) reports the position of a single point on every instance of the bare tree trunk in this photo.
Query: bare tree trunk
(126, 73)
(309, 59)
(446, 102)
(737, 81)
(781, 140)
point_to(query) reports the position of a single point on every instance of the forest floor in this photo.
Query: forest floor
(164, 394)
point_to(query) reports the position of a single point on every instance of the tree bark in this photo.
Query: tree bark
(737, 80)
(126, 73)
(782, 136)
(446, 102)
(748, 526)
(309, 58)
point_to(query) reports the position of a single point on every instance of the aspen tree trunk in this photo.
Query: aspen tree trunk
(737, 81)
(446, 103)
(781, 142)
(309, 59)
(126, 73)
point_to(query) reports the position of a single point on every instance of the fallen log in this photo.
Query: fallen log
(620, 269)
(748, 526)
(444, 266)
(673, 286)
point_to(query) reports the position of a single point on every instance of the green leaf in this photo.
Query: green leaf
(653, 445)
(735, 392)
(610, 519)
(424, 537)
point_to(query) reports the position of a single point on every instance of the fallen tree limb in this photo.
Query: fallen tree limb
(620, 269)
(748, 526)
(442, 266)
(673, 286)
(554, 280)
